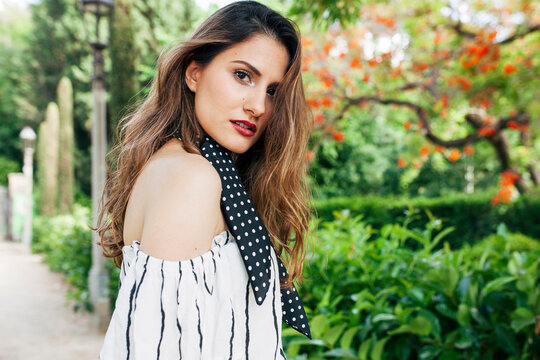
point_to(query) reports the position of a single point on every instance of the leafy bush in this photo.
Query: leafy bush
(7, 166)
(370, 297)
(472, 215)
(66, 241)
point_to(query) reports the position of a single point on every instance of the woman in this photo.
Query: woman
(209, 191)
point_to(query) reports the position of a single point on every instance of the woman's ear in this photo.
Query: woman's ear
(192, 74)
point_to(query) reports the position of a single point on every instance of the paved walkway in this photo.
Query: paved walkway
(35, 321)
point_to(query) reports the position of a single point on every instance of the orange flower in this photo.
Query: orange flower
(486, 104)
(444, 101)
(492, 35)
(437, 38)
(512, 113)
(462, 81)
(439, 148)
(407, 125)
(418, 67)
(326, 102)
(365, 78)
(401, 163)
(444, 114)
(465, 83)
(513, 125)
(384, 20)
(306, 61)
(319, 118)
(469, 150)
(306, 42)
(508, 178)
(396, 72)
(313, 103)
(326, 78)
(454, 155)
(327, 47)
(373, 62)
(355, 63)
(509, 69)
(473, 49)
(338, 136)
(486, 131)
(424, 151)
(467, 64)
(309, 155)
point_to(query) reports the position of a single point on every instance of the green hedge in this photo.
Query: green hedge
(369, 297)
(66, 241)
(472, 215)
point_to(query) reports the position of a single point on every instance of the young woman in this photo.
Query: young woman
(209, 193)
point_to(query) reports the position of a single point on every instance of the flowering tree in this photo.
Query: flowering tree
(463, 71)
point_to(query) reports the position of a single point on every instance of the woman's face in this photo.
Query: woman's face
(234, 93)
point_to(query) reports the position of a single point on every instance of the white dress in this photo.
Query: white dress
(201, 308)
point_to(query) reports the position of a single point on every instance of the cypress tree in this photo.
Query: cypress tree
(66, 140)
(123, 80)
(47, 156)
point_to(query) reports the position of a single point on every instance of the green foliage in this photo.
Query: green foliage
(123, 80)
(7, 166)
(66, 241)
(325, 12)
(473, 216)
(370, 297)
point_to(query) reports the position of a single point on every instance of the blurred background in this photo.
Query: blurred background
(423, 160)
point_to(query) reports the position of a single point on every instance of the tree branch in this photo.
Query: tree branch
(516, 36)
(421, 115)
(458, 27)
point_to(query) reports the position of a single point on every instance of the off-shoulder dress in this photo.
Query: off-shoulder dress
(201, 308)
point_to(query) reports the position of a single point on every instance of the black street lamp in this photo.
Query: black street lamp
(98, 276)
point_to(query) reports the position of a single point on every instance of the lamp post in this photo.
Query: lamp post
(98, 276)
(29, 137)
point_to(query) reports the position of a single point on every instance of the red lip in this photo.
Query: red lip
(250, 125)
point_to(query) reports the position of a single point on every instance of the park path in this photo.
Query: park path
(35, 322)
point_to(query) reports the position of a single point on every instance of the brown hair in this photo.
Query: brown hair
(273, 170)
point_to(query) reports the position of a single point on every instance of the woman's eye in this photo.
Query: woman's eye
(271, 92)
(241, 75)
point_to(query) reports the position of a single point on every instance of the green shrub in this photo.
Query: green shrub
(7, 166)
(472, 215)
(370, 297)
(66, 241)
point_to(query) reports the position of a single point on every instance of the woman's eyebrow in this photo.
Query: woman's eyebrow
(251, 67)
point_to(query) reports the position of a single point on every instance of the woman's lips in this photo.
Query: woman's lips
(244, 127)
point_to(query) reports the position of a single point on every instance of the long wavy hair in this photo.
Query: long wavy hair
(273, 170)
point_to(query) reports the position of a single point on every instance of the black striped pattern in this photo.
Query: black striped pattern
(162, 314)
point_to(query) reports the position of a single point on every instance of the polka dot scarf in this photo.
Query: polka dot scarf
(251, 236)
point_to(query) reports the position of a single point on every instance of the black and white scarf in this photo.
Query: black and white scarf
(251, 236)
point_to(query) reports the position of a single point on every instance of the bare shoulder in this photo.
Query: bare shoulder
(180, 195)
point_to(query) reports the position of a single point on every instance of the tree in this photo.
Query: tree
(123, 53)
(461, 80)
(65, 146)
(47, 156)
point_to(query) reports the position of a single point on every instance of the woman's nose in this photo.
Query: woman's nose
(255, 103)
